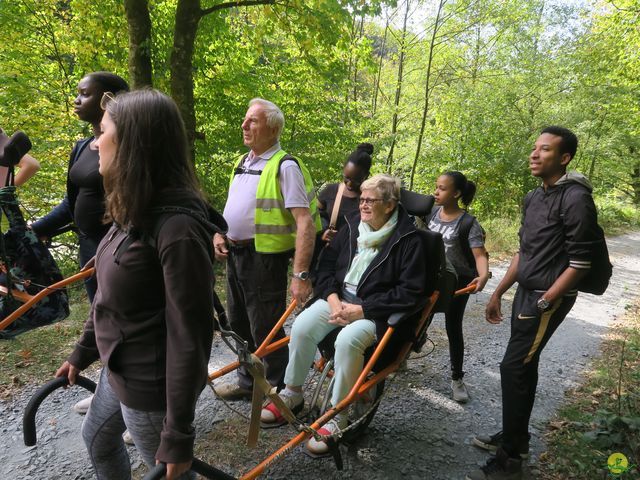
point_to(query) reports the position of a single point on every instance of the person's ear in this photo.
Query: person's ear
(565, 159)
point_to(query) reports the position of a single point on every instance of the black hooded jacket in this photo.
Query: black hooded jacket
(151, 322)
(559, 228)
(395, 281)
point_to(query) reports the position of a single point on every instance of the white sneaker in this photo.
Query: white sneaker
(83, 405)
(460, 393)
(128, 439)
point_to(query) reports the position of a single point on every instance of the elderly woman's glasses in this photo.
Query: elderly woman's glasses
(107, 97)
(369, 201)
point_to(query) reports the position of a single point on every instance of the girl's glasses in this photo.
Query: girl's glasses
(106, 98)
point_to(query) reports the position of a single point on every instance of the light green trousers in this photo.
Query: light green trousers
(309, 328)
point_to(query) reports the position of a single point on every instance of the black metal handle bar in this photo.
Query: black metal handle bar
(29, 418)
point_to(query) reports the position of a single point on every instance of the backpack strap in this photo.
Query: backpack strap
(160, 216)
(336, 206)
(464, 229)
(240, 170)
(164, 213)
(285, 158)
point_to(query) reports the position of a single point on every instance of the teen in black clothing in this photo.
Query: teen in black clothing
(83, 204)
(355, 171)
(558, 232)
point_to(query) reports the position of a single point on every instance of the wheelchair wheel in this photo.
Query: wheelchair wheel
(322, 392)
(360, 409)
(320, 403)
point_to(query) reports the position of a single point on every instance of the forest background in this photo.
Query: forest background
(434, 85)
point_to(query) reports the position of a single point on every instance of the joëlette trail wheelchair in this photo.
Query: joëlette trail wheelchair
(28, 273)
(381, 361)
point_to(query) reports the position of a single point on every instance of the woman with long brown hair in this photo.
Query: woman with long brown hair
(151, 320)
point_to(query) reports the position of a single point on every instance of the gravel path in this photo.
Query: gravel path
(418, 432)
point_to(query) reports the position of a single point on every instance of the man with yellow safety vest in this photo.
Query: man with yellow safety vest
(272, 214)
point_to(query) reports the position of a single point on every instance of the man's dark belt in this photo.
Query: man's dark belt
(240, 243)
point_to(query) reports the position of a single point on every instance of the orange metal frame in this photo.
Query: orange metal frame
(30, 301)
(361, 386)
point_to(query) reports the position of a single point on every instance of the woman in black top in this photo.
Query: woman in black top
(355, 171)
(83, 204)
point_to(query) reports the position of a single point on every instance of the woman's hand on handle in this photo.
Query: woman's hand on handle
(220, 247)
(174, 470)
(329, 234)
(479, 282)
(69, 371)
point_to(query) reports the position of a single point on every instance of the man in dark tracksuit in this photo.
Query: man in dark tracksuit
(559, 224)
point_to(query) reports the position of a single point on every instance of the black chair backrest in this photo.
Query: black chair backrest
(434, 247)
(13, 148)
(416, 204)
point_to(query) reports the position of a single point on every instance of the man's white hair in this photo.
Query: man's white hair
(275, 117)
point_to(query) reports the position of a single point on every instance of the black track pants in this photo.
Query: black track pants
(530, 332)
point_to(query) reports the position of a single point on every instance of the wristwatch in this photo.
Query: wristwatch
(301, 276)
(543, 304)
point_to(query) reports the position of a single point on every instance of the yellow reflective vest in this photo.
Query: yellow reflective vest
(275, 225)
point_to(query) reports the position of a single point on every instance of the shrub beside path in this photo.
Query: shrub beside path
(418, 432)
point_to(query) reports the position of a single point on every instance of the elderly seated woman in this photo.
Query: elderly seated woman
(374, 267)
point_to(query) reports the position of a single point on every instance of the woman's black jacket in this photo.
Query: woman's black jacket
(395, 281)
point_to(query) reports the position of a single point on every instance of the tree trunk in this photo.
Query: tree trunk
(427, 91)
(396, 105)
(355, 66)
(376, 86)
(635, 182)
(140, 68)
(188, 14)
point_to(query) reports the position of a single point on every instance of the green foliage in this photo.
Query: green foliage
(499, 71)
(601, 416)
(616, 215)
(33, 357)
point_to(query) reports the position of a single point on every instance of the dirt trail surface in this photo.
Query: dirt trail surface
(418, 432)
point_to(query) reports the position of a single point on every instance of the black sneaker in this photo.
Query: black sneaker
(500, 467)
(493, 442)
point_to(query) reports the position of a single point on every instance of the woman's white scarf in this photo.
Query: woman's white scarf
(369, 243)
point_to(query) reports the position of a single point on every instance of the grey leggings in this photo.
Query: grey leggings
(102, 430)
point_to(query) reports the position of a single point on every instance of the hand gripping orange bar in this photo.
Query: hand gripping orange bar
(265, 348)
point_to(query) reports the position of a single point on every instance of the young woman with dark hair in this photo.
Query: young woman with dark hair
(150, 323)
(464, 243)
(355, 171)
(83, 204)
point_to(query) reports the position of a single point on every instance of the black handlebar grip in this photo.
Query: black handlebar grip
(14, 149)
(198, 466)
(29, 418)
